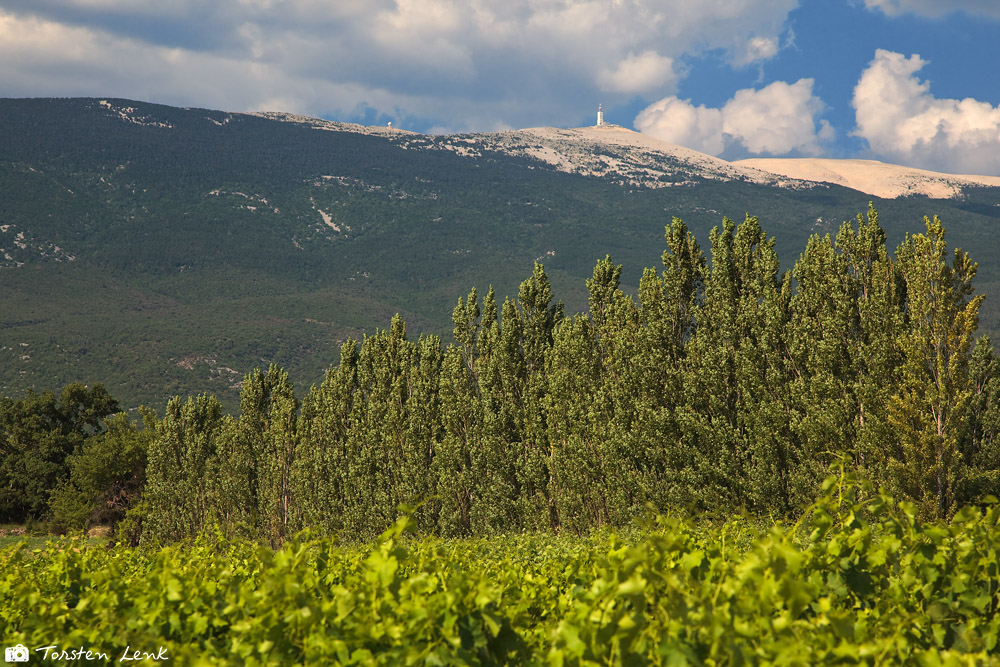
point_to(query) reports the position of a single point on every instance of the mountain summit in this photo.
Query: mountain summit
(640, 160)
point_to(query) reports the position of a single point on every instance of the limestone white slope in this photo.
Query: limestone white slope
(616, 153)
(872, 177)
(642, 161)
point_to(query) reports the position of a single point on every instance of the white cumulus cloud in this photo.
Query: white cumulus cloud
(757, 49)
(903, 122)
(779, 119)
(648, 71)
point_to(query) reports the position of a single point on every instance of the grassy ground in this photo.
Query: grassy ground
(14, 534)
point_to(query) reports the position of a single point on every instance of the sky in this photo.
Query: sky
(912, 82)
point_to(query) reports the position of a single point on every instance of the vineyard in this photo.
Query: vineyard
(857, 580)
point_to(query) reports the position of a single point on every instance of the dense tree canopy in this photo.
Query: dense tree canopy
(37, 436)
(728, 386)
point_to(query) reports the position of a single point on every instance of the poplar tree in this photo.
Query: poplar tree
(320, 469)
(456, 481)
(496, 459)
(376, 446)
(235, 485)
(981, 445)
(422, 433)
(847, 317)
(580, 452)
(737, 373)
(875, 353)
(930, 408)
(278, 457)
(259, 456)
(461, 420)
(822, 335)
(660, 450)
(618, 390)
(181, 469)
(537, 318)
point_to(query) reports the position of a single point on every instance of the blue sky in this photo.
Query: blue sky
(915, 82)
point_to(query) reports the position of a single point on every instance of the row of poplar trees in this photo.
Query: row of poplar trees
(724, 388)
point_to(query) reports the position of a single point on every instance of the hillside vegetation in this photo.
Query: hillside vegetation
(166, 251)
(721, 389)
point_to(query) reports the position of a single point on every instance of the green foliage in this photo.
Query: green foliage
(859, 579)
(183, 469)
(38, 434)
(930, 408)
(255, 458)
(501, 373)
(461, 417)
(106, 477)
(737, 369)
(580, 462)
(320, 468)
(981, 446)
(369, 435)
(847, 315)
(724, 390)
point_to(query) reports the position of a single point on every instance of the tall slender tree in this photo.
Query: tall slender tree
(376, 443)
(537, 318)
(422, 433)
(461, 420)
(181, 470)
(930, 409)
(496, 457)
(320, 468)
(981, 446)
(737, 371)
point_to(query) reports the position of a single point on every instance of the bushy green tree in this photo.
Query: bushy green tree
(981, 446)
(574, 412)
(37, 435)
(106, 476)
(875, 353)
(376, 443)
(499, 455)
(537, 317)
(461, 425)
(847, 315)
(657, 447)
(461, 420)
(618, 395)
(823, 337)
(422, 434)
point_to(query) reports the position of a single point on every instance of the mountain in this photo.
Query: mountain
(873, 177)
(168, 251)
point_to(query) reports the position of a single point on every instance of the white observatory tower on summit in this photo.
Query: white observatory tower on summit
(600, 116)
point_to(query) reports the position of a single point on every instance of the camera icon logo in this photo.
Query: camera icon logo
(17, 653)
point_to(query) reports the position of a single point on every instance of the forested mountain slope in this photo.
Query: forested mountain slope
(167, 251)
